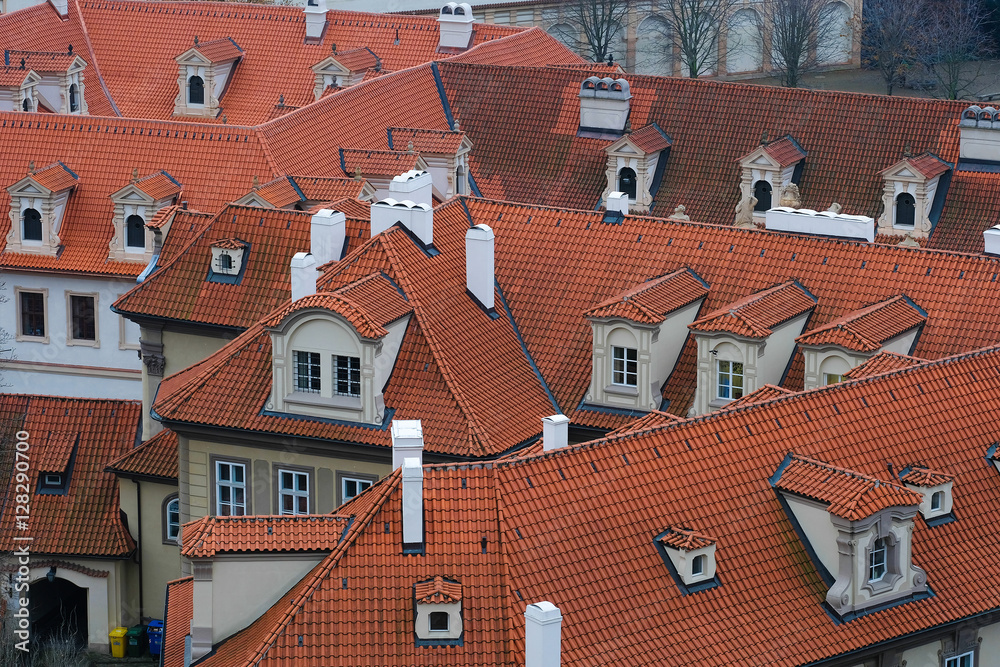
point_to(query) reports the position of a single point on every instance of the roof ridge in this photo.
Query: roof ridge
(93, 56)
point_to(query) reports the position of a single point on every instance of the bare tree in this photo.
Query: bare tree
(894, 33)
(799, 33)
(695, 26)
(602, 23)
(956, 44)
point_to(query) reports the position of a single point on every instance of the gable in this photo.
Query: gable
(330, 65)
(27, 186)
(130, 193)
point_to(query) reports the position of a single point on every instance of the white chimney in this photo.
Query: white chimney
(61, 7)
(415, 185)
(315, 11)
(618, 202)
(479, 266)
(407, 441)
(555, 432)
(303, 275)
(991, 240)
(455, 25)
(418, 218)
(979, 134)
(542, 635)
(201, 621)
(413, 502)
(327, 232)
(604, 104)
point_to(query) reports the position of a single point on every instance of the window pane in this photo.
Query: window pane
(32, 224)
(82, 313)
(348, 372)
(32, 314)
(135, 232)
(307, 371)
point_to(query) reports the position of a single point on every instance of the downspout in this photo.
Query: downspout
(138, 537)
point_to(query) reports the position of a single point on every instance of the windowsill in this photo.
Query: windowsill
(31, 339)
(721, 402)
(621, 390)
(82, 342)
(339, 402)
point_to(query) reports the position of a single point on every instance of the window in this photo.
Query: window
(51, 481)
(135, 232)
(625, 366)
(307, 372)
(832, 378)
(347, 370)
(730, 379)
(171, 520)
(74, 104)
(352, 486)
(225, 262)
(230, 489)
(26, 105)
(293, 492)
(698, 566)
(626, 182)
(439, 621)
(83, 318)
(196, 90)
(32, 314)
(964, 660)
(937, 498)
(905, 210)
(32, 225)
(762, 191)
(876, 561)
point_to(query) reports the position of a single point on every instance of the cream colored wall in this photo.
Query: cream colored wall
(989, 637)
(901, 344)
(923, 656)
(196, 475)
(773, 360)
(160, 562)
(667, 347)
(821, 533)
(819, 361)
(182, 350)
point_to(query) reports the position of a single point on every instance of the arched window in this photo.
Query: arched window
(74, 104)
(698, 565)
(762, 191)
(626, 182)
(32, 225)
(937, 499)
(225, 262)
(26, 104)
(196, 90)
(135, 232)
(460, 180)
(653, 47)
(171, 519)
(744, 47)
(906, 208)
(836, 32)
(877, 560)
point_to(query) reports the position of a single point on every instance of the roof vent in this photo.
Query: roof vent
(479, 265)
(604, 105)
(455, 25)
(555, 432)
(822, 223)
(407, 441)
(418, 218)
(617, 206)
(542, 635)
(327, 232)
(979, 134)
(61, 7)
(303, 275)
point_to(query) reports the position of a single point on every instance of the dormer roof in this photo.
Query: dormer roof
(924, 477)
(650, 139)
(651, 301)
(155, 458)
(685, 539)
(16, 77)
(56, 451)
(55, 177)
(922, 167)
(45, 61)
(212, 535)
(215, 51)
(868, 329)
(158, 185)
(764, 393)
(378, 163)
(230, 244)
(438, 591)
(285, 191)
(447, 142)
(355, 60)
(883, 362)
(754, 316)
(849, 495)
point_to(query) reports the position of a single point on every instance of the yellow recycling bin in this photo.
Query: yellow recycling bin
(117, 637)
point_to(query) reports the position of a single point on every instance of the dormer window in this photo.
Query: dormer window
(636, 161)
(913, 195)
(135, 232)
(196, 90)
(625, 366)
(730, 386)
(134, 204)
(307, 371)
(228, 260)
(32, 225)
(348, 373)
(689, 557)
(770, 168)
(51, 482)
(74, 101)
(204, 71)
(38, 205)
(936, 490)
(906, 207)
(762, 192)
(438, 619)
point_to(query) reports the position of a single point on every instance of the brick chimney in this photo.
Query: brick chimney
(327, 232)
(303, 275)
(407, 441)
(479, 265)
(542, 635)
(455, 25)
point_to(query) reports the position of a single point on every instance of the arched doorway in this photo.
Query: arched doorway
(58, 608)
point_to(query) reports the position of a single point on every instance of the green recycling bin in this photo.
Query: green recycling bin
(135, 641)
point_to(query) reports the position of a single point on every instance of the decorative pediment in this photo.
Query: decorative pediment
(27, 186)
(329, 65)
(192, 57)
(763, 159)
(131, 193)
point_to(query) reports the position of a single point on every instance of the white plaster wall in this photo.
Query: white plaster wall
(989, 636)
(819, 530)
(386, 359)
(901, 344)
(667, 347)
(221, 76)
(924, 656)
(772, 362)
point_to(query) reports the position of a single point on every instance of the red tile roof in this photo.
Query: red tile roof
(925, 477)
(212, 535)
(56, 177)
(159, 185)
(650, 139)
(850, 495)
(41, 61)
(550, 534)
(754, 316)
(288, 190)
(868, 329)
(230, 244)
(75, 437)
(686, 539)
(177, 621)
(219, 50)
(437, 591)
(653, 419)
(651, 301)
(883, 362)
(425, 141)
(377, 163)
(785, 151)
(368, 322)
(357, 60)
(156, 458)
(764, 393)
(13, 76)
(927, 165)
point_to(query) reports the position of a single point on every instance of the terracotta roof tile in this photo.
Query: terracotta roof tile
(651, 301)
(287, 190)
(219, 50)
(927, 165)
(764, 393)
(883, 362)
(75, 437)
(159, 185)
(212, 535)
(156, 457)
(868, 329)
(41, 61)
(437, 591)
(177, 621)
(425, 141)
(654, 419)
(850, 495)
(357, 60)
(755, 315)
(13, 76)
(650, 139)
(785, 151)
(377, 163)
(924, 477)
(685, 539)
(56, 177)
(367, 323)
(230, 244)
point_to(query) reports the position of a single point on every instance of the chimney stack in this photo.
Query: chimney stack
(542, 635)
(327, 232)
(315, 11)
(407, 441)
(479, 265)
(555, 432)
(979, 134)
(303, 275)
(413, 504)
(455, 26)
(413, 207)
(991, 240)
(604, 105)
(415, 185)
(617, 203)
(61, 7)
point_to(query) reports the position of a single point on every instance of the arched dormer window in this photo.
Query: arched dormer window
(32, 225)
(762, 192)
(225, 262)
(627, 182)
(171, 519)
(906, 207)
(26, 104)
(135, 232)
(196, 90)
(74, 104)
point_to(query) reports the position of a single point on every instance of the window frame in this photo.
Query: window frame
(24, 228)
(278, 494)
(344, 475)
(895, 211)
(632, 192)
(624, 374)
(70, 338)
(190, 99)
(698, 565)
(731, 373)
(878, 556)
(217, 461)
(759, 206)
(353, 367)
(956, 660)
(315, 362)
(431, 616)
(128, 246)
(165, 522)
(827, 378)
(74, 98)
(19, 335)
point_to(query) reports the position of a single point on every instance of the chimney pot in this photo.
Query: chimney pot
(542, 635)
(479, 264)
(555, 432)
(327, 231)
(407, 441)
(413, 502)
(303, 275)
(455, 25)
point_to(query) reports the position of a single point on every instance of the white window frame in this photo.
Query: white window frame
(878, 547)
(232, 486)
(430, 623)
(70, 339)
(19, 336)
(832, 378)
(730, 372)
(628, 378)
(171, 527)
(937, 501)
(698, 565)
(956, 660)
(296, 494)
(345, 478)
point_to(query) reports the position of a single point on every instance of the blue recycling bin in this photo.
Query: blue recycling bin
(154, 631)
